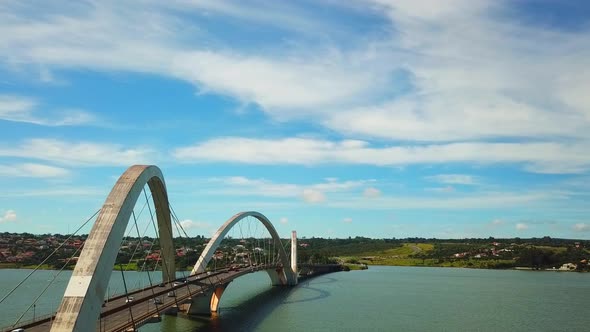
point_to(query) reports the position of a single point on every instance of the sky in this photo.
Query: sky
(377, 118)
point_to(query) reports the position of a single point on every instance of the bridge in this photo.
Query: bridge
(84, 308)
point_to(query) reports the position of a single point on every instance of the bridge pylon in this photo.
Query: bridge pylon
(294, 255)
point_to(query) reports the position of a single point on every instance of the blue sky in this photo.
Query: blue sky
(376, 118)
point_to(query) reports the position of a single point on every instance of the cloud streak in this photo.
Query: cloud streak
(24, 109)
(33, 171)
(534, 157)
(76, 154)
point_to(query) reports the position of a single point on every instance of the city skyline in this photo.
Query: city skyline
(373, 118)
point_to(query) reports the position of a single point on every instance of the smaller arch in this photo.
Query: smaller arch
(286, 277)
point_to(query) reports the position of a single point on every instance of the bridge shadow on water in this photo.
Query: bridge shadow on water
(248, 315)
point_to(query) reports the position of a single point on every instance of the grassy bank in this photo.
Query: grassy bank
(416, 254)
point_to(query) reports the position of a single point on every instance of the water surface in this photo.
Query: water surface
(384, 299)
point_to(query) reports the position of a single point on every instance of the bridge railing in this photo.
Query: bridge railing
(30, 322)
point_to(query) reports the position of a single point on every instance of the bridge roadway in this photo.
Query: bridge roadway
(115, 314)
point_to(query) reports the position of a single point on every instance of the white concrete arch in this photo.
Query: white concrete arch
(289, 277)
(82, 301)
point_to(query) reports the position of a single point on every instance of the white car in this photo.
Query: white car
(129, 299)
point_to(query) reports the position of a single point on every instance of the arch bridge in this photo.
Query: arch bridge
(83, 308)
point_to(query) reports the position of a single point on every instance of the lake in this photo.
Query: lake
(380, 299)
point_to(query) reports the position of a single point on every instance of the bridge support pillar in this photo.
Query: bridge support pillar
(294, 255)
(277, 277)
(207, 302)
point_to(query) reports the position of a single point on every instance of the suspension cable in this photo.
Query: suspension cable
(148, 272)
(45, 260)
(179, 227)
(127, 298)
(47, 287)
(164, 266)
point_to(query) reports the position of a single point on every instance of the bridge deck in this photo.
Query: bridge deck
(115, 314)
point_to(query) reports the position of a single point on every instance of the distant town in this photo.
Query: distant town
(24, 250)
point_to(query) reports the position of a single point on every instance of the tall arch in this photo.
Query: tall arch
(289, 275)
(82, 301)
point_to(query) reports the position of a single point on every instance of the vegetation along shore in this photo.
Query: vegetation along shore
(24, 250)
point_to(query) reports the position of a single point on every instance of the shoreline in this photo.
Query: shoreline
(366, 266)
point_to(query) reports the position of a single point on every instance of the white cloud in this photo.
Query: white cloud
(534, 156)
(23, 109)
(463, 63)
(14, 106)
(33, 170)
(581, 227)
(371, 192)
(71, 192)
(472, 83)
(190, 224)
(480, 200)
(453, 179)
(347, 220)
(497, 222)
(521, 226)
(9, 216)
(313, 196)
(280, 86)
(284, 220)
(78, 153)
(469, 73)
(446, 189)
(311, 193)
(262, 187)
(103, 36)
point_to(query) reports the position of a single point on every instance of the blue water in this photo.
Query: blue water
(395, 299)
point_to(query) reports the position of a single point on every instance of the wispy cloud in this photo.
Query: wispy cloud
(76, 192)
(310, 193)
(497, 223)
(473, 201)
(33, 171)
(446, 189)
(25, 109)
(372, 192)
(535, 157)
(521, 226)
(345, 194)
(472, 84)
(456, 84)
(179, 47)
(453, 179)
(77, 153)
